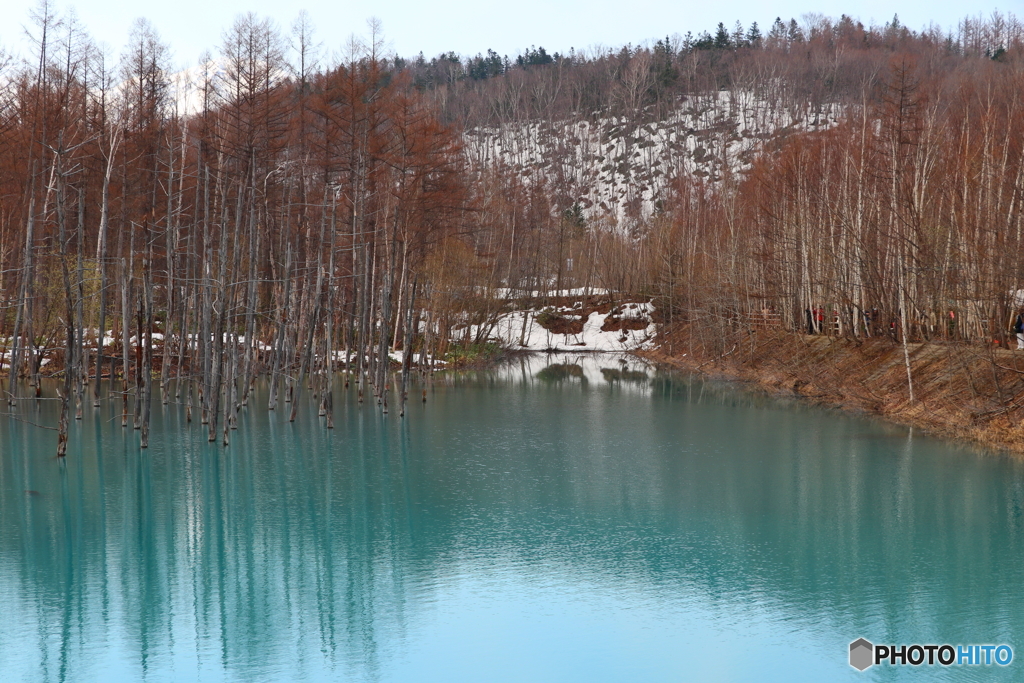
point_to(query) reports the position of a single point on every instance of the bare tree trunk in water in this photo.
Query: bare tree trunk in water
(282, 324)
(82, 361)
(147, 349)
(125, 295)
(26, 275)
(70, 364)
(407, 346)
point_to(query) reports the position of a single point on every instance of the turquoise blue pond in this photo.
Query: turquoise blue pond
(526, 525)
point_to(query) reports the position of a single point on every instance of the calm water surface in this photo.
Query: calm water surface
(590, 521)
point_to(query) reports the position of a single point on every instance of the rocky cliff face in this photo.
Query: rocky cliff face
(620, 167)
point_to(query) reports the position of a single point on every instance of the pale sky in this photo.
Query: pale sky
(469, 27)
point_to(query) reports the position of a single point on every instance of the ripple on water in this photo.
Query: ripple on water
(510, 529)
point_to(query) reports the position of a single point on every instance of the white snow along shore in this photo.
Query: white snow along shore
(520, 330)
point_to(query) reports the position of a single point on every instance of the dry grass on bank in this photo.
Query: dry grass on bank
(962, 391)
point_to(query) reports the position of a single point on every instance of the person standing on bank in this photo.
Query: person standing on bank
(1018, 329)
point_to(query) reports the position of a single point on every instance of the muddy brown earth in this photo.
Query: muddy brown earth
(569, 316)
(965, 391)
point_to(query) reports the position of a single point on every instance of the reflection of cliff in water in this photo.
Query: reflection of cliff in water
(678, 486)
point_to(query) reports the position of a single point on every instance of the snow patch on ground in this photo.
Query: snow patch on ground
(520, 330)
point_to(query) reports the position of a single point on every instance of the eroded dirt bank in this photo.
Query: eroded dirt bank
(962, 391)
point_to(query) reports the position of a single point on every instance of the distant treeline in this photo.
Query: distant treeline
(821, 58)
(972, 36)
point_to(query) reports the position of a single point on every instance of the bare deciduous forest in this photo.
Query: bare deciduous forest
(275, 213)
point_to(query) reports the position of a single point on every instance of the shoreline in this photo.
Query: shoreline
(963, 392)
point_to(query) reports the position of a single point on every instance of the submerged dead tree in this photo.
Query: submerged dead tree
(288, 218)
